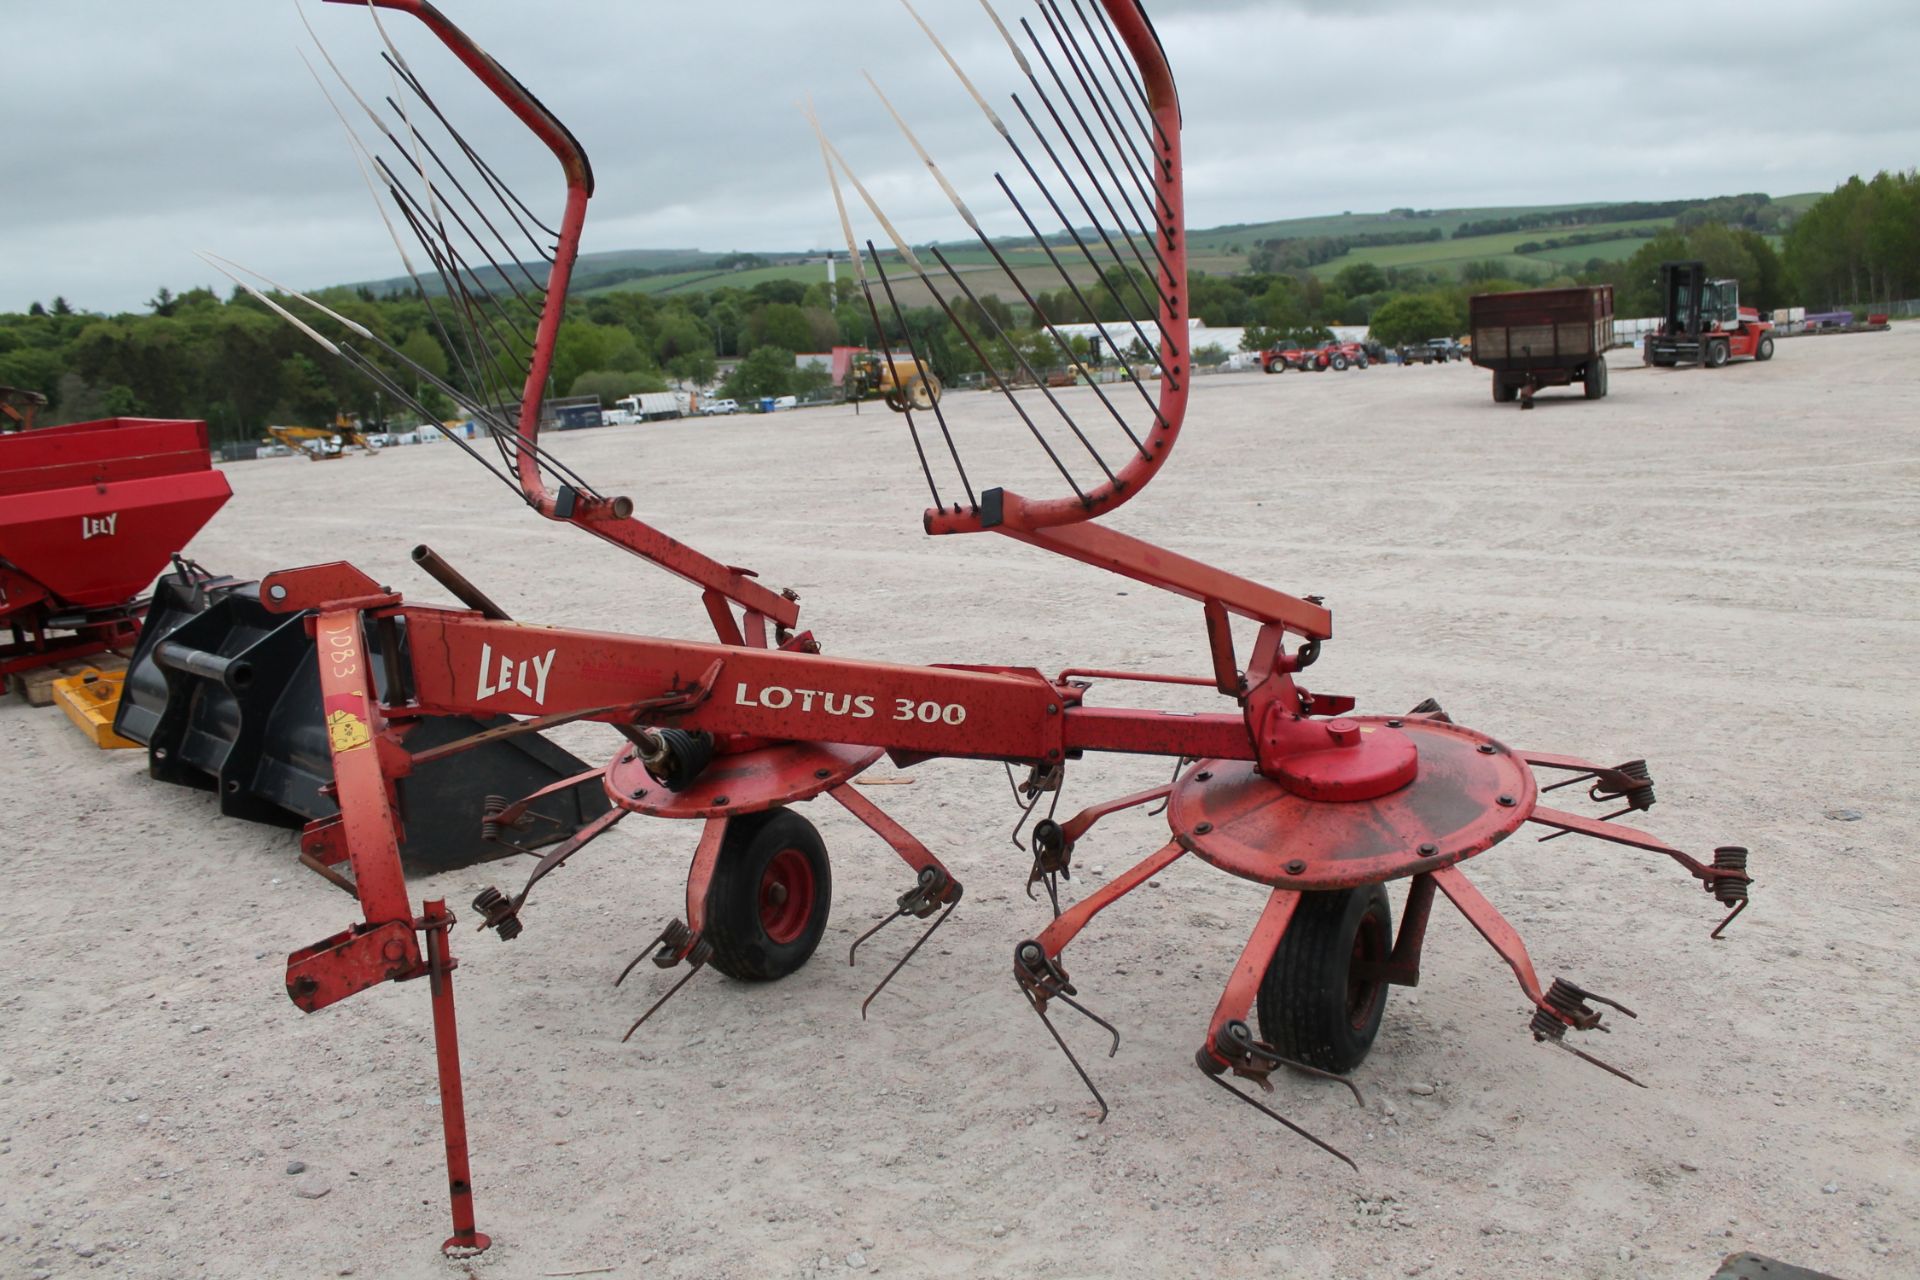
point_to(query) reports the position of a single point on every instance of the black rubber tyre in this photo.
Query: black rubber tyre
(771, 892)
(1765, 350)
(1276, 366)
(1360, 362)
(1502, 393)
(1338, 364)
(1311, 1008)
(1716, 354)
(1596, 381)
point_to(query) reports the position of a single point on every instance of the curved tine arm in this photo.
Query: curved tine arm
(608, 518)
(579, 174)
(1614, 833)
(1129, 19)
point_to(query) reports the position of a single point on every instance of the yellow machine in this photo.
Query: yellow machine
(895, 379)
(322, 444)
(90, 700)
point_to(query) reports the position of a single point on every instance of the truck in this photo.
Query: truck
(651, 406)
(1702, 321)
(1535, 338)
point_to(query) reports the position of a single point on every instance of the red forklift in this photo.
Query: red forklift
(1702, 321)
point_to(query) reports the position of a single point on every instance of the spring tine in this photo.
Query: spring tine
(435, 222)
(1079, 1070)
(1086, 306)
(901, 963)
(1139, 223)
(880, 332)
(1132, 108)
(1026, 69)
(1094, 220)
(440, 245)
(1082, 68)
(1587, 1057)
(1090, 1016)
(500, 189)
(1269, 1055)
(479, 211)
(1271, 1114)
(1124, 60)
(1118, 222)
(379, 377)
(966, 215)
(1722, 926)
(671, 992)
(1030, 371)
(869, 933)
(919, 269)
(986, 362)
(939, 415)
(1000, 127)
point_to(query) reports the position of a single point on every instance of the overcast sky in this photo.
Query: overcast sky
(133, 131)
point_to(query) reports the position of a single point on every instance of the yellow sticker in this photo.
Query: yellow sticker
(347, 731)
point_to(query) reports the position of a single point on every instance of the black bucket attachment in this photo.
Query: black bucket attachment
(225, 696)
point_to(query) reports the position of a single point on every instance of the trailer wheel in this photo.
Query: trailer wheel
(772, 888)
(1313, 1007)
(1339, 364)
(1716, 353)
(1502, 393)
(1596, 381)
(1765, 350)
(1276, 366)
(1360, 361)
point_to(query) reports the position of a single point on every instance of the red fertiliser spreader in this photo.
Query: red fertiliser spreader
(90, 513)
(1287, 788)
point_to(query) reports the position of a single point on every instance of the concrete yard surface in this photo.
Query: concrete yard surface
(1717, 570)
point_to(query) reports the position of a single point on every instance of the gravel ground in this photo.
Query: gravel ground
(1715, 570)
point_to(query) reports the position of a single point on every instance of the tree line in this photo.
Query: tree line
(232, 362)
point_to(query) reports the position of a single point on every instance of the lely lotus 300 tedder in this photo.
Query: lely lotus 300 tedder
(1287, 788)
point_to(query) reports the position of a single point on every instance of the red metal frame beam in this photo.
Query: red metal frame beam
(1255, 958)
(1134, 558)
(465, 664)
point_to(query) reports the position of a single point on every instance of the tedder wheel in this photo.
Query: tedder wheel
(1502, 392)
(1596, 381)
(767, 906)
(1313, 1007)
(1716, 354)
(1765, 350)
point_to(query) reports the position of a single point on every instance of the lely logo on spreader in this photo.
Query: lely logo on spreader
(98, 526)
(512, 676)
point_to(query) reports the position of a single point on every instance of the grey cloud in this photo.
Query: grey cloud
(140, 131)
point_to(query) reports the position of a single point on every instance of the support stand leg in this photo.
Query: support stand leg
(465, 1241)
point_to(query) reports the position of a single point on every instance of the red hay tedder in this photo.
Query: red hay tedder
(89, 514)
(1285, 787)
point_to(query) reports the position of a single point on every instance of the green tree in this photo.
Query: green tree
(1413, 318)
(768, 371)
(780, 324)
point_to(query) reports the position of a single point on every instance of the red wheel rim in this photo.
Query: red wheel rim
(1362, 992)
(786, 896)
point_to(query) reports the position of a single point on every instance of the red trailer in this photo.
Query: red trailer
(90, 513)
(1538, 338)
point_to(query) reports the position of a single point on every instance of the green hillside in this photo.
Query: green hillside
(1224, 250)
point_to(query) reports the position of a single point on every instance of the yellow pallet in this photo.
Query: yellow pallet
(90, 700)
